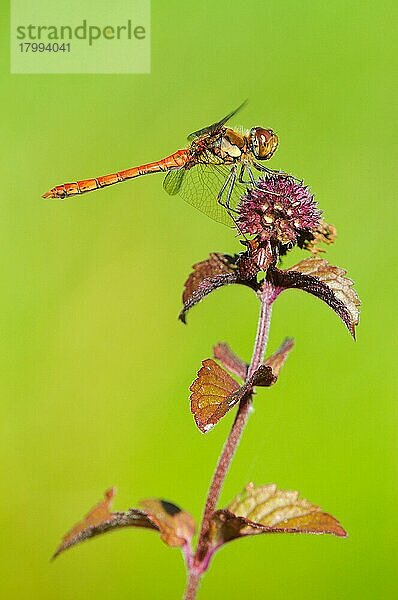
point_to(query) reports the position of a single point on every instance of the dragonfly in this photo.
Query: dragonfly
(211, 173)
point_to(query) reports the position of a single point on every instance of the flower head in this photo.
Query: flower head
(278, 210)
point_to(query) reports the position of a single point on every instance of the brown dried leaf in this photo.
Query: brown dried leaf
(324, 234)
(176, 526)
(100, 519)
(212, 273)
(319, 278)
(213, 393)
(230, 360)
(266, 509)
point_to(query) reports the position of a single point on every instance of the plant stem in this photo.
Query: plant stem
(201, 559)
(192, 585)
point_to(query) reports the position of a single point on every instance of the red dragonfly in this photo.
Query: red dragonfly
(209, 174)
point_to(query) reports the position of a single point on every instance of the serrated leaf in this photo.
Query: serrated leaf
(319, 278)
(175, 526)
(230, 360)
(214, 272)
(267, 509)
(213, 394)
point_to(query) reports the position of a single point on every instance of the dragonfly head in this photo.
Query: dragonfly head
(263, 142)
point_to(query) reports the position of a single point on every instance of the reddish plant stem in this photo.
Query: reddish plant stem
(192, 585)
(201, 561)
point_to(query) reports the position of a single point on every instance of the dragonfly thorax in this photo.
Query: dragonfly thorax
(232, 145)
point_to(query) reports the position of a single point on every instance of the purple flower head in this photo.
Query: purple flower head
(278, 210)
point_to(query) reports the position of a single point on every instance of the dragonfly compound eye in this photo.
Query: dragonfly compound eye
(264, 142)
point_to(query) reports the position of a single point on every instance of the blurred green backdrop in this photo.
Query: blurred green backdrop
(95, 366)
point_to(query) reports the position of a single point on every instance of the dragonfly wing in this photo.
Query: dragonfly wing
(173, 181)
(200, 186)
(215, 126)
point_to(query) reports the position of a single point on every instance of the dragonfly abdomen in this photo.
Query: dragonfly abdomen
(174, 161)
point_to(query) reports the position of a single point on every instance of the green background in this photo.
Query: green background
(95, 367)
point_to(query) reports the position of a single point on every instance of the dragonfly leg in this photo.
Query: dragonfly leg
(221, 192)
(242, 172)
(254, 182)
(230, 190)
(228, 201)
(274, 172)
(252, 178)
(230, 181)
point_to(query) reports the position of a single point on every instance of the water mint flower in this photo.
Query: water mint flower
(279, 210)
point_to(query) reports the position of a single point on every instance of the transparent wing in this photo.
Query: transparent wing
(215, 126)
(200, 186)
(173, 181)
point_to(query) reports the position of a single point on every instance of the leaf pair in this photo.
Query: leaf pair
(313, 275)
(258, 510)
(214, 392)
